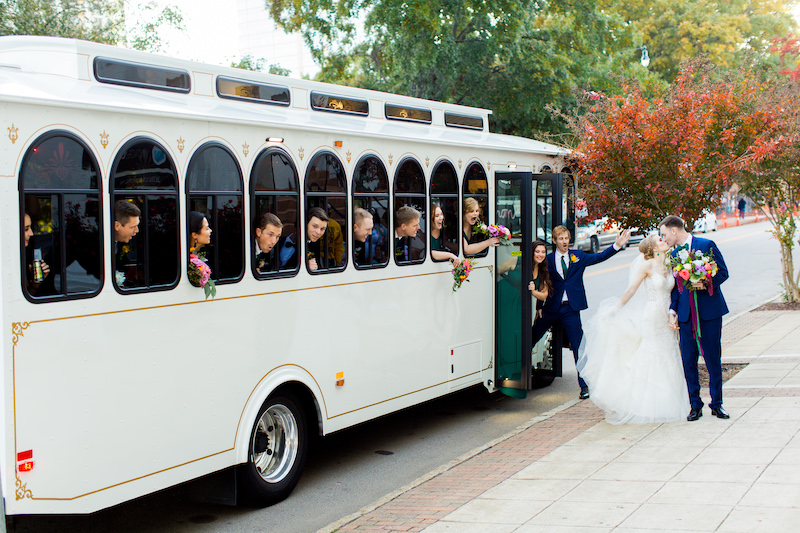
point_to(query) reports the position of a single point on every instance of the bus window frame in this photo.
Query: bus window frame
(215, 223)
(387, 195)
(255, 214)
(425, 203)
(465, 194)
(345, 229)
(38, 141)
(444, 161)
(143, 227)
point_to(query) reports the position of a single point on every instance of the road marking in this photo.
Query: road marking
(612, 269)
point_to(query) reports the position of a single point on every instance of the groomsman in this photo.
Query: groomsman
(568, 299)
(710, 308)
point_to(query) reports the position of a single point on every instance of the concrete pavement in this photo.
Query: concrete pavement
(568, 470)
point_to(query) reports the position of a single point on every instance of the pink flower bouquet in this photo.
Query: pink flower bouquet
(200, 274)
(493, 230)
(461, 273)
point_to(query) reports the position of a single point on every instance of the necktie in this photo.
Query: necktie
(564, 267)
(682, 247)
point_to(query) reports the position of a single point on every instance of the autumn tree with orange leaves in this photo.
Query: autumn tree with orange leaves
(640, 159)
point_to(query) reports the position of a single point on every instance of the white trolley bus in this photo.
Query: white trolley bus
(120, 378)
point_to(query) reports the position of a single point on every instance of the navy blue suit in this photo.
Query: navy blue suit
(710, 308)
(568, 314)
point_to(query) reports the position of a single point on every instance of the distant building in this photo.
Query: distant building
(260, 38)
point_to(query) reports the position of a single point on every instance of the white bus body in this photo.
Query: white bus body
(113, 396)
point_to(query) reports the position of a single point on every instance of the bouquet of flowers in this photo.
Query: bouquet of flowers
(200, 274)
(691, 266)
(461, 273)
(492, 230)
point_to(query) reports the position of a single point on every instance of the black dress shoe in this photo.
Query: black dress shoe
(694, 414)
(584, 393)
(719, 412)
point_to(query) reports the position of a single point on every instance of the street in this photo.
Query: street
(353, 468)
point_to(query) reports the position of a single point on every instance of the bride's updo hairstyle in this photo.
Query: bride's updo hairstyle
(648, 246)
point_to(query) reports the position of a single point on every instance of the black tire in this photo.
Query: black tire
(540, 381)
(276, 452)
(594, 245)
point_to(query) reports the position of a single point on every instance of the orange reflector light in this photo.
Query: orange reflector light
(340, 379)
(22, 456)
(337, 144)
(25, 461)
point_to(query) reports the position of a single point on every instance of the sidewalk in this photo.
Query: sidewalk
(568, 470)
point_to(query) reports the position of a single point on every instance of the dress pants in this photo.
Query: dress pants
(570, 319)
(711, 341)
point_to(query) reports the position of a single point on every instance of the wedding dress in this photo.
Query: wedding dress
(631, 359)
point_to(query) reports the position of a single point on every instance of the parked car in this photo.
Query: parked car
(638, 235)
(594, 236)
(706, 222)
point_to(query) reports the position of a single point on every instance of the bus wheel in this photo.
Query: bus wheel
(276, 453)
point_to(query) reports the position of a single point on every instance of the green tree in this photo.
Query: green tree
(675, 31)
(512, 56)
(248, 62)
(101, 21)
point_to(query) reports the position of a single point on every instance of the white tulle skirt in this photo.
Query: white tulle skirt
(633, 365)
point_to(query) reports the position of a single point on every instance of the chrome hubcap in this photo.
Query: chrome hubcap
(274, 446)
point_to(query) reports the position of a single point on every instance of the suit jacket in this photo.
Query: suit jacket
(709, 306)
(573, 285)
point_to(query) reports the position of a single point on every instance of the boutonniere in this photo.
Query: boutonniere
(573, 258)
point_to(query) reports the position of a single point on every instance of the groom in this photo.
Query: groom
(569, 295)
(710, 308)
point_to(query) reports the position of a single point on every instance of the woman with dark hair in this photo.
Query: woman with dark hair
(438, 250)
(199, 231)
(540, 287)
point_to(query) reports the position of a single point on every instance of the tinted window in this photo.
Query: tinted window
(445, 223)
(476, 186)
(338, 104)
(371, 193)
(143, 173)
(214, 186)
(141, 75)
(252, 91)
(409, 191)
(326, 189)
(62, 254)
(274, 190)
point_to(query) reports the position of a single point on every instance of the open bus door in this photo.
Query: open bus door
(530, 205)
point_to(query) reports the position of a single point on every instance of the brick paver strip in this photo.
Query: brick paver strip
(426, 503)
(434, 499)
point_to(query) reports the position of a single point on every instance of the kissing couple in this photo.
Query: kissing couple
(637, 370)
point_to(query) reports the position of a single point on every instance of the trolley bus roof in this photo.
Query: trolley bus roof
(72, 82)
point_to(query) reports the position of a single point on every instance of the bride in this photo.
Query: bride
(629, 356)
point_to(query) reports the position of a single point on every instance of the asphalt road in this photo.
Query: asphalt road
(350, 469)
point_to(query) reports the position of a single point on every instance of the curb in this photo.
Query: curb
(331, 528)
(728, 320)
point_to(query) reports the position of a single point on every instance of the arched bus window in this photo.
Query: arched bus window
(445, 224)
(476, 186)
(143, 174)
(371, 194)
(326, 214)
(60, 212)
(409, 201)
(276, 207)
(214, 188)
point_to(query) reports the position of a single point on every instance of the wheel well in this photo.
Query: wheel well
(306, 399)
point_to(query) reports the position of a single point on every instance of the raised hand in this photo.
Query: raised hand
(623, 238)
